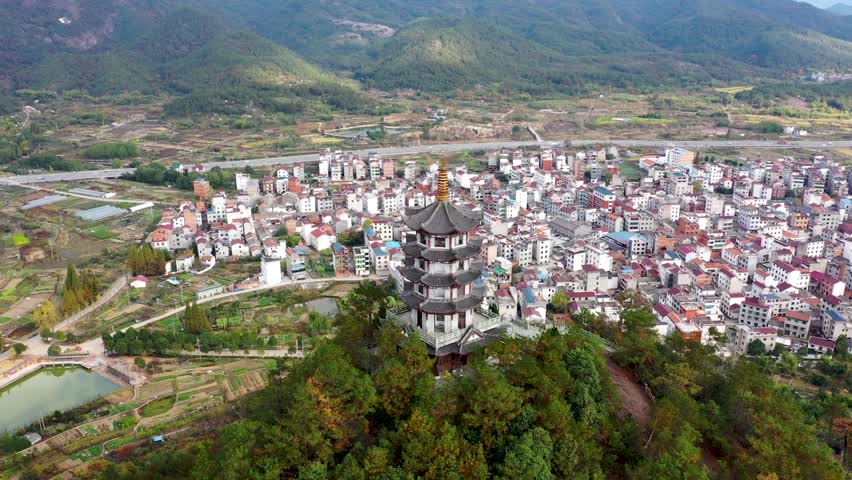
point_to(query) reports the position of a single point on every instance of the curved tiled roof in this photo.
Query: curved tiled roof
(472, 249)
(414, 274)
(442, 218)
(441, 307)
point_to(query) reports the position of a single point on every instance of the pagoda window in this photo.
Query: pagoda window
(440, 242)
(462, 320)
(419, 318)
(440, 293)
(439, 268)
(439, 323)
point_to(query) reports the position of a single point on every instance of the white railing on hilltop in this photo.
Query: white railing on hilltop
(484, 321)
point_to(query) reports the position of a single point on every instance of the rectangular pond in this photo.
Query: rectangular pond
(48, 390)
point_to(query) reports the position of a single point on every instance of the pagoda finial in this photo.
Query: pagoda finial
(443, 182)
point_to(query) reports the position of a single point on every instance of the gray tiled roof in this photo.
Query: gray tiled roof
(414, 274)
(442, 218)
(472, 249)
(446, 306)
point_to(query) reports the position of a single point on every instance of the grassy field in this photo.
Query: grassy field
(733, 90)
(20, 239)
(119, 442)
(326, 140)
(101, 232)
(88, 454)
(630, 170)
(158, 407)
(633, 120)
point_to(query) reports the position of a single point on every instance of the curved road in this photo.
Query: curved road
(452, 147)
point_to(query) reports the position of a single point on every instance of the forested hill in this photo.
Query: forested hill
(366, 405)
(207, 47)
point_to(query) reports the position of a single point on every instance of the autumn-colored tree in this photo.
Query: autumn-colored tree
(434, 452)
(195, 319)
(405, 379)
(46, 315)
(79, 291)
(490, 402)
(70, 302)
(146, 260)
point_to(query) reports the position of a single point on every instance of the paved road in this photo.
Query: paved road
(261, 288)
(454, 147)
(116, 287)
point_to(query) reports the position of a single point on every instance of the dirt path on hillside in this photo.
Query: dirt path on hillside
(636, 402)
(634, 399)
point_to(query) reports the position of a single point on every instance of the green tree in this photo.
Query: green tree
(528, 457)
(756, 348)
(357, 322)
(841, 348)
(561, 301)
(313, 471)
(639, 344)
(490, 403)
(788, 363)
(54, 350)
(139, 362)
(19, 348)
(681, 461)
(72, 278)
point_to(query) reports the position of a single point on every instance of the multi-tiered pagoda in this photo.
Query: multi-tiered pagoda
(441, 270)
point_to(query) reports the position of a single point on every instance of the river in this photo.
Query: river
(49, 390)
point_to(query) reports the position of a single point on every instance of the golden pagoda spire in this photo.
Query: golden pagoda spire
(443, 182)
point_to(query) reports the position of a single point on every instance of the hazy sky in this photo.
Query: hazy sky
(828, 3)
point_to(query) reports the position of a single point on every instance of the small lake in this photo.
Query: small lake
(324, 305)
(48, 390)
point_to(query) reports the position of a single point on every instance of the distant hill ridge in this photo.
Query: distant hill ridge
(224, 48)
(841, 9)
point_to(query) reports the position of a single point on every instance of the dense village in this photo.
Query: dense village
(728, 253)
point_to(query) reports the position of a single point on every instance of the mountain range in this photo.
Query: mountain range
(291, 54)
(841, 8)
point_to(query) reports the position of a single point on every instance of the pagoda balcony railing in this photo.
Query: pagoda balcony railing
(485, 321)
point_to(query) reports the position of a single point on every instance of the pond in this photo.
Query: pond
(49, 390)
(324, 305)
